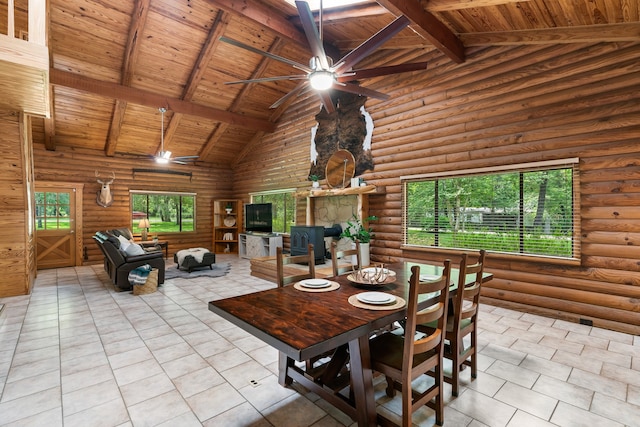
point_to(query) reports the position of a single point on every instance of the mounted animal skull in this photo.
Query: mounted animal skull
(104, 197)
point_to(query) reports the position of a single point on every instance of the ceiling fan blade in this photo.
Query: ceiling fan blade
(268, 79)
(309, 26)
(302, 87)
(294, 64)
(186, 158)
(359, 90)
(371, 44)
(326, 100)
(382, 71)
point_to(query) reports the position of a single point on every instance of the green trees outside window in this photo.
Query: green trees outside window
(52, 210)
(525, 212)
(167, 213)
(283, 209)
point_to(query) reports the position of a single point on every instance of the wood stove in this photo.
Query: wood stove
(301, 236)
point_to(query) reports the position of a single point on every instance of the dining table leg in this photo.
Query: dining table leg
(362, 382)
(284, 362)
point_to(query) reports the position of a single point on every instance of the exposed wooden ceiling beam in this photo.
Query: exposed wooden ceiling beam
(622, 32)
(50, 123)
(50, 133)
(264, 15)
(154, 100)
(347, 13)
(609, 33)
(138, 22)
(428, 26)
(443, 5)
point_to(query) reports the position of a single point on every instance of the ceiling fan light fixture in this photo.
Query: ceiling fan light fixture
(164, 157)
(321, 79)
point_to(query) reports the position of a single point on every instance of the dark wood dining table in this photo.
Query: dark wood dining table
(303, 325)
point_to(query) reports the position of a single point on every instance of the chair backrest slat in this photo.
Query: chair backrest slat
(337, 255)
(469, 292)
(282, 260)
(436, 312)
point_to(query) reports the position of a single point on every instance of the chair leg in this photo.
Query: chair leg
(391, 390)
(455, 369)
(474, 356)
(407, 403)
(439, 400)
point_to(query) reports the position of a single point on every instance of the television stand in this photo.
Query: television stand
(256, 245)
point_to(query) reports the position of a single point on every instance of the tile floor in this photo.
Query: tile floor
(76, 353)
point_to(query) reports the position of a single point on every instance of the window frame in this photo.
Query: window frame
(572, 163)
(163, 193)
(292, 192)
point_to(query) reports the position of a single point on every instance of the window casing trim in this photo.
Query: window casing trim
(493, 169)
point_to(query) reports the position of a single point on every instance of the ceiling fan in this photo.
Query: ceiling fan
(164, 157)
(322, 73)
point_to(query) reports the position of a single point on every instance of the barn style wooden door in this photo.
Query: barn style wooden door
(57, 210)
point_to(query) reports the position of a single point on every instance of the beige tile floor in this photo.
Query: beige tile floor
(76, 353)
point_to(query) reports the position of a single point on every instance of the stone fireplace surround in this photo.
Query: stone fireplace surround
(337, 206)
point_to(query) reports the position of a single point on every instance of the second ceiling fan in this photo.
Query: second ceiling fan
(164, 157)
(322, 73)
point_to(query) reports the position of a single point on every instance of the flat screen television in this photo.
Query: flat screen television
(258, 218)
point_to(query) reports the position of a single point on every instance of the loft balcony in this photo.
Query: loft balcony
(24, 57)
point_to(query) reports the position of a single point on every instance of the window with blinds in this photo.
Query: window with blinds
(528, 209)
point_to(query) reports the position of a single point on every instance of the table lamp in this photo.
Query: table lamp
(144, 226)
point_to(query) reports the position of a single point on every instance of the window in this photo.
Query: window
(283, 208)
(166, 212)
(52, 211)
(528, 209)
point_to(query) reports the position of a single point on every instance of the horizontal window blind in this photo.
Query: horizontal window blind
(529, 211)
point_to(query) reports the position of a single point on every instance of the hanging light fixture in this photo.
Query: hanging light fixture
(319, 78)
(164, 156)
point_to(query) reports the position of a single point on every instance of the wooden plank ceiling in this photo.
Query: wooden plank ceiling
(114, 63)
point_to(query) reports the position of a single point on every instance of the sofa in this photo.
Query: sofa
(118, 262)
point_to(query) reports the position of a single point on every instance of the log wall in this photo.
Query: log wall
(209, 182)
(17, 250)
(504, 105)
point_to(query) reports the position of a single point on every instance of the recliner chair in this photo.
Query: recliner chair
(118, 264)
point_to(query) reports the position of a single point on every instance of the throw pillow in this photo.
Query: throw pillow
(124, 243)
(134, 249)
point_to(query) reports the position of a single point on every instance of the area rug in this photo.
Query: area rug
(218, 270)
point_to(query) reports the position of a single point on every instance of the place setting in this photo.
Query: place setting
(316, 285)
(374, 300)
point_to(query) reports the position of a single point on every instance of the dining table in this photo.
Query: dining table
(306, 323)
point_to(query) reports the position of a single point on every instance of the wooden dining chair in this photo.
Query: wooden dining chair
(462, 321)
(403, 358)
(282, 261)
(337, 255)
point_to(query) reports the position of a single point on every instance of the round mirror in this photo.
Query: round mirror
(341, 167)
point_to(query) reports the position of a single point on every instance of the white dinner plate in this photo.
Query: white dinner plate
(376, 298)
(315, 283)
(425, 277)
(373, 270)
(229, 221)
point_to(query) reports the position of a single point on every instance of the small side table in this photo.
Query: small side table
(159, 244)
